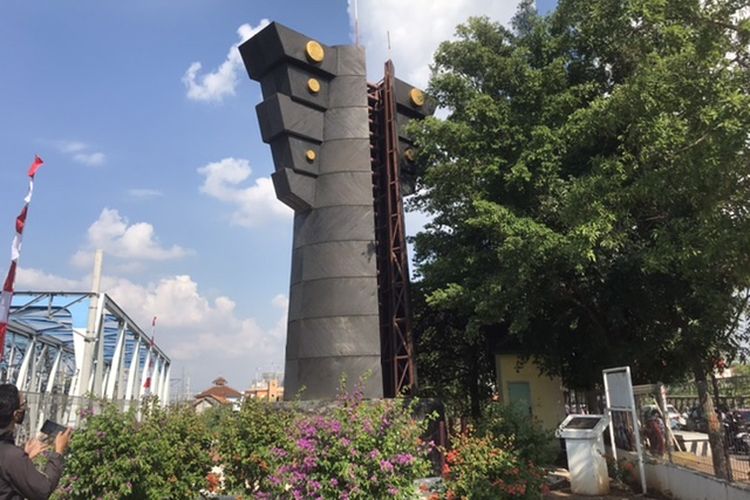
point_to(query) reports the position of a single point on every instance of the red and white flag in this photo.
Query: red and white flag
(7, 293)
(147, 383)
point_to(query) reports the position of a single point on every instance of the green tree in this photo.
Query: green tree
(589, 189)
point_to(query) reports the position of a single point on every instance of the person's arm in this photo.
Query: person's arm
(27, 480)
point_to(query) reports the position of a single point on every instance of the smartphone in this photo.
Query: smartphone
(51, 428)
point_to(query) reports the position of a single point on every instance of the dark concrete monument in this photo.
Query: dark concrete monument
(329, 137)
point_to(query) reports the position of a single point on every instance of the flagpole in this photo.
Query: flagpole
(152, 345)
(15, 252)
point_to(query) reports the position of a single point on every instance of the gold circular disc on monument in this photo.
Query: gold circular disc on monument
(310, 155)
(313, 85)
(417, 97)
(409, 155)
(314, 51)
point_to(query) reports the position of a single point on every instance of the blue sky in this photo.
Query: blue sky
(158, 160)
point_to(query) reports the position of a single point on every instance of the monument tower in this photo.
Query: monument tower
(340, 159)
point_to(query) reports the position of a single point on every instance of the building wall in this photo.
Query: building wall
(269, 391)
(547, 398)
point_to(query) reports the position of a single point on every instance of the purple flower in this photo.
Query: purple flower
(374, 454)
(334, 482)
(404, 459)
(335, 426)
(314, 486)
(392, 491)
(345, 441)
(279, 452)
(307, 445)
(367, 425)
(386, 466)
(307, 428)
(309, 463)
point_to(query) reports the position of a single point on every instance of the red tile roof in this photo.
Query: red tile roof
(218, 399)
(221, 390)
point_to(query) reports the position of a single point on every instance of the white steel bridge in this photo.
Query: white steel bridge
(67, 350)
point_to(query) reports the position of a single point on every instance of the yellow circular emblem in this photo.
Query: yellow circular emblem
(314, 51)
(310, 155)
(409, 155)
(417, 97)
(313, 85)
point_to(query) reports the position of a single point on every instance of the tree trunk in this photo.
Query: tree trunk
(474, 398)
(715, 434)
(592, 402)
(715, 385)
(717, 404)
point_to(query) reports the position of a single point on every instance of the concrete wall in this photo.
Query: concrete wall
(547, 398)
(685, 484)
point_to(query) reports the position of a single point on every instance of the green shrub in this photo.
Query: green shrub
(356, 449)
(244, 440)
(513, 429)
(113, 455)
(477, 469)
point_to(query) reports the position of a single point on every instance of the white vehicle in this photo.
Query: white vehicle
(677, 421)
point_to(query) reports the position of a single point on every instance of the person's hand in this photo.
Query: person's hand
(62, 441)
(34, 447)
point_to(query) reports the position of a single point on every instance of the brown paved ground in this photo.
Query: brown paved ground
(740, 465)
(617, 491)
(614, 494)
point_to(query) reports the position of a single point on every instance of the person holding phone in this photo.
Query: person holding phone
(19, 478)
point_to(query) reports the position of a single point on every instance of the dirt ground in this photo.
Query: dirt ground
(560, 480)
(614, 494)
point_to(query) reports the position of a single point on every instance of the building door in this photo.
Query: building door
(519, 394)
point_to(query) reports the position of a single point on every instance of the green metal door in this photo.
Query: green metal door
(519, 394)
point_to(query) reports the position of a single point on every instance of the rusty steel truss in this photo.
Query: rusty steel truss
(399, 368)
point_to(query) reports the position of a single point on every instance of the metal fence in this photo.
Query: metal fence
(674, 428)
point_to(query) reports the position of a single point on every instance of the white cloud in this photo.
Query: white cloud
(216, 85)
(82, 153)
(208, 337)
(118, 238)
(253, 205)
(416, 29)
(144, 193)
(71, 146)
(31, 279)
(414, 41)
(90, 159)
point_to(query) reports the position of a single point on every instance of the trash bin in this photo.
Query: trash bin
(585, 447)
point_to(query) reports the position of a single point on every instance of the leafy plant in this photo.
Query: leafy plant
(113, 455)
(244, 440)
(476, 468)
(355, 449)
(512, 429)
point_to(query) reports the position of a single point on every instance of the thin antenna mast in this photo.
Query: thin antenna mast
(356, 23)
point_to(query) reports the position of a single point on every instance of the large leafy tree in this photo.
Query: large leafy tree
(590, 187)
